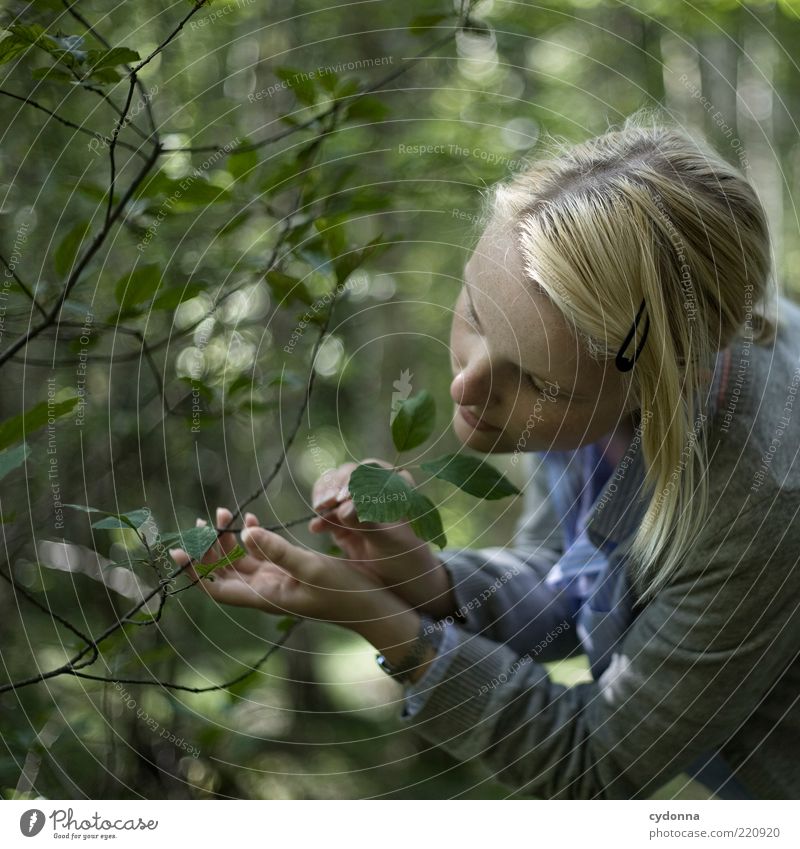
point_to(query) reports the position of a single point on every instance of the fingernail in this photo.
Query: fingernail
(343, 493)
(322, 498)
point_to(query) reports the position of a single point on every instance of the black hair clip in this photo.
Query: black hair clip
(622, 362)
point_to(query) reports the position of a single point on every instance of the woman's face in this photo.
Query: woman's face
(519, 369)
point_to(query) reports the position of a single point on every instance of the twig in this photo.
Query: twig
(66, 122)
(98, 240)
(170, 686)
(304, 125)
(22, 286)
(70, 7)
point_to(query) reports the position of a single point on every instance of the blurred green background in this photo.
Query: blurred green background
(198, 417)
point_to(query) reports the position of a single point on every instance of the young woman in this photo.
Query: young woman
(613, 332)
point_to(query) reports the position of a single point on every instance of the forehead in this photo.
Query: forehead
(519, 316)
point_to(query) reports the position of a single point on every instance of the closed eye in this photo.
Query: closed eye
(470, 315)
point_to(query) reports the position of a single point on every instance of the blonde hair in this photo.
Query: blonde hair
(649, 211)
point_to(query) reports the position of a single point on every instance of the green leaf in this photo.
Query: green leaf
(474, 476)
(12, 458)
(379, 494)
(347, 263)
(286, 622)
(183, 194)
(240, 165)
(286, 289)
(199, 192)
(299, 82)
(346, 87)
(173, 298)
(283, 177)
(127, 564)
(105, 75)
(19, 37)
(367, 109)
(205, 569)
(134, 519)
(333, 235)
(414, 421)
(195, 542)
(68, 248)
(84, 508)
(426, 520)
(235, 223)
(138, 285)
(329, 81)
(17, 428)
(53, 73)
(111, 58)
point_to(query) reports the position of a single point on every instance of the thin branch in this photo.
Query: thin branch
(170, 686)
(113, 146)
(174, 34)
(22, 286)
(66, 122)
(335, 107)
(35, 601)
(98, 240)
(70, 7)
(79, 661)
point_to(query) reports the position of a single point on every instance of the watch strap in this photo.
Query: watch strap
(429, 634)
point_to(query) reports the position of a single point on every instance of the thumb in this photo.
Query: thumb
(266, 545)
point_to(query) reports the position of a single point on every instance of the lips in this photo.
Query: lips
(473, 421)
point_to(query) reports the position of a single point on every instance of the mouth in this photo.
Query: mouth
(474, 422)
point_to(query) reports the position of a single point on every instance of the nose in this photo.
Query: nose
(473, 387)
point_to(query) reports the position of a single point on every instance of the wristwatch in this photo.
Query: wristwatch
(429, 634)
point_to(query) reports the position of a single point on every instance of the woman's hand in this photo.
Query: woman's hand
(390, 552)
(278, 577)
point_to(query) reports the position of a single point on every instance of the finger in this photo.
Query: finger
(251, 520)
(214, 553)
(182, 558)
(227, 540)
(237, 589)
(326, 490)
(298, 562)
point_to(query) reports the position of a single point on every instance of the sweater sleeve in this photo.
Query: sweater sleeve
(502, 594)
(690, 670)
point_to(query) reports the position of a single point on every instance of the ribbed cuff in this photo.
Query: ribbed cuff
(469, 582)
(417, 693)
(453, 713)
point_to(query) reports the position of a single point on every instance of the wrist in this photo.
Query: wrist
(441, 601)
(388, 622)
(394, 630)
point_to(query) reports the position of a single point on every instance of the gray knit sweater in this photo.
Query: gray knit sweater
(710, 665)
